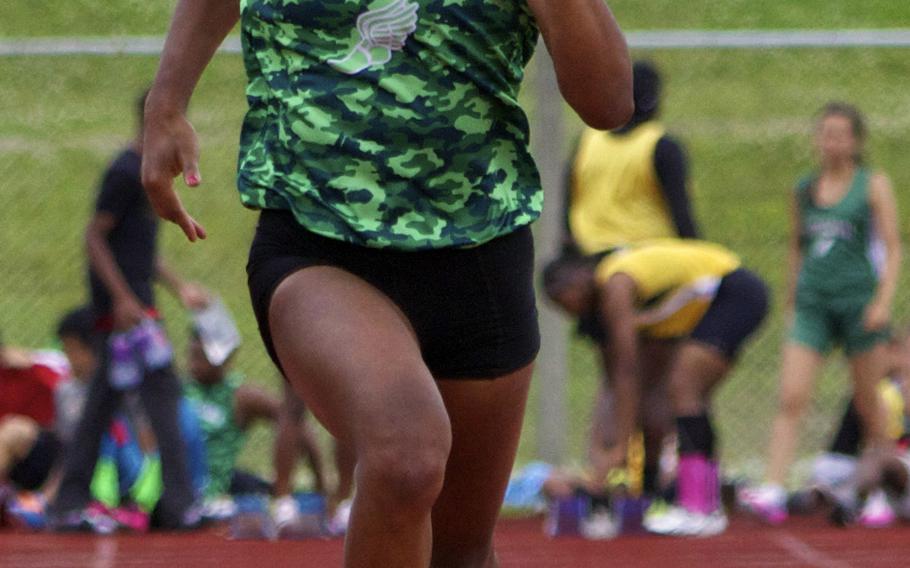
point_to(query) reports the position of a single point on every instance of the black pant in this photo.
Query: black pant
(160, 395)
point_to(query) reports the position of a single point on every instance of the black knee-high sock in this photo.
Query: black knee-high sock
(650, 478)
(850, 434)
(696, 436)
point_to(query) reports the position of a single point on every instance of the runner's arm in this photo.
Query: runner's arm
(590, 57)
(170, 146)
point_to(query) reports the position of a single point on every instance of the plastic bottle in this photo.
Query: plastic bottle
(124, 372)
(151, 341)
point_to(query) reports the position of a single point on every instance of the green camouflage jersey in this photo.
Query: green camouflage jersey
(389, 123)
(841, 251)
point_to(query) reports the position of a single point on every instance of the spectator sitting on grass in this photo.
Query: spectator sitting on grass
(226, 409)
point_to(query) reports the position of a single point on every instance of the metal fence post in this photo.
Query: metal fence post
(548, 148)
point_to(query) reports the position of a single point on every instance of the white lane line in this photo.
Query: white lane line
(806, 554)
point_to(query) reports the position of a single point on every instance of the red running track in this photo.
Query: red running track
(521, 544)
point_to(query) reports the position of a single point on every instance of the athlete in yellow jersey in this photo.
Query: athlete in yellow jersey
(699, 292)
(622, 187)
(629, 184)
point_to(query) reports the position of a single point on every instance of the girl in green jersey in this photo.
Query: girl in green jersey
(844, 262)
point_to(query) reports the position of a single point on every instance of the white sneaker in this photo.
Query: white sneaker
(677, 521)
(768, 502)
(285, 513)
(877, 512)
(599, 525)
(338, 524)
(220, 508)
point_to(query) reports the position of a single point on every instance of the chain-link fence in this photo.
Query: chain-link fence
(745, 117)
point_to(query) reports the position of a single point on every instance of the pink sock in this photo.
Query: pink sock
(697, 485)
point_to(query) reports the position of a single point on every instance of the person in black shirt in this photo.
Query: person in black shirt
(122, 264)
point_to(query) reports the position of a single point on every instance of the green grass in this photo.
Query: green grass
(743, 14)
(745, 117)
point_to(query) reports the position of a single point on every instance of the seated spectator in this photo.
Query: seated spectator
(226, 409)
(26, 386)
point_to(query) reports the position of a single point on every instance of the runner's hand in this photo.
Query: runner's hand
(875, 317)
(170, 148)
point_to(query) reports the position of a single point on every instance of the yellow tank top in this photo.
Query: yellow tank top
(616, 197)
(676, 279)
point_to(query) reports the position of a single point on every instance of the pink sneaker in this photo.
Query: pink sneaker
(767, 502)
(877, 512)
(131, 518)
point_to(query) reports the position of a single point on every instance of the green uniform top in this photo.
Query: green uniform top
(214, 405)
(840, 249)
(390, 123)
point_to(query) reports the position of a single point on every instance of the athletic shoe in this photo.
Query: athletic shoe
(658, 507)
(877, 512)
(599, 525)
(291, 524)
(219, 509)
(677, 521)
(94, 518)
(338, 524)
(767, 502)
(132, 518)
(26, 511)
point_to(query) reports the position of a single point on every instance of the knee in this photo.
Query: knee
(407, 470)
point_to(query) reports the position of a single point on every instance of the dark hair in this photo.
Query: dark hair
(78, 323)
(646, 86)
(856, 118)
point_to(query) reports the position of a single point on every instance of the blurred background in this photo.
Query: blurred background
(745, 116)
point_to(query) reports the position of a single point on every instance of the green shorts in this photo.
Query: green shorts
(823, 324)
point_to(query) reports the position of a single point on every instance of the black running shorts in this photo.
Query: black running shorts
(738, 309)
(473, 309)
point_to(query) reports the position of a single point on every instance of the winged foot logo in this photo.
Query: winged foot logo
(382, 31)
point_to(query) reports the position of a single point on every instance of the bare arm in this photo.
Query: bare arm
(169, 145)
(618, 307)
(884, 215)
(252, 404)
(591, 59)
(191, 295)
(127, 309)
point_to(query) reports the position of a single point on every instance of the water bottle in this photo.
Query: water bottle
(124, 372)
(630, 511)
(566, 515)
(151, 341)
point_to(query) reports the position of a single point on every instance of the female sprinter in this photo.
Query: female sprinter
(391, 271)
